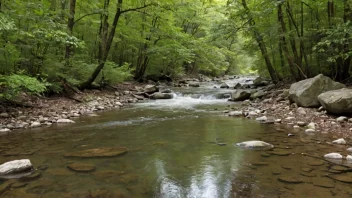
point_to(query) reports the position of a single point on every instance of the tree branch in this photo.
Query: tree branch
(136, 9)
(80, 18)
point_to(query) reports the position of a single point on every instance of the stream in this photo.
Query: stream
(183, 147)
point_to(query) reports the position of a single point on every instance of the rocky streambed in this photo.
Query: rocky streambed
(143, 149)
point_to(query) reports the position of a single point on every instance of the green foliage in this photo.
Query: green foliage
(11, 86)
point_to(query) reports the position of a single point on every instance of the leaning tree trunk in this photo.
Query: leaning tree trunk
(261, 44)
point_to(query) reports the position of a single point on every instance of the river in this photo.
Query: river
(183, 147)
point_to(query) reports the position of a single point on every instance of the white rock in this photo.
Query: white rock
(290, 118)
(65, 121)
(254, 144)
(311, 125)
(301, 111)
(341, 119)
(296, 127)
(339, 141)
(262, 119)
(349, 149)
(235, 113)
(4, 130)
(15, 166)
(301, 124)
(309, 130)
(278, 121)
(333, 156)
(35, 124)
(252, 114)
(119, 104)
(349, 158)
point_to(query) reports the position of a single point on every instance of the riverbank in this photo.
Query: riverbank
(46, 111)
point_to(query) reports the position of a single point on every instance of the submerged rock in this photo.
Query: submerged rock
(65, 121)
(255, 144)
(159, 95)
(80, 167)
(339, 141)
(289, 179)
(305, 93)
(323, 182)
(15, 166)
(337, 101)
(98, 152)
(347, 177)
(224, 86)
(333, 156)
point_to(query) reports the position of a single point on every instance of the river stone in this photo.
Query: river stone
(159, 95)
(339, 141)
(337, 101)
(305, 93)
(35, 175)
(333, 156)
(308, 174)
(224, 86)
(150, 89)
(65, 121)
(35, 124)
(309, 130)
(349, 158)
(280, 152)
(323, 182)
(311, 125)
(339, 168)
(349, 149)
(80, 167)
(346, 177)
(98, 152)
(194, 84)
(238, 86)
(236, 113)
(306, 169)
(255, 144)
(342, 119)
(15, 166)
(260, 163)
(257, 94)
(301, 111)
(315, 162)
(4, 130)
(260, 81)
(290, 179)
(240, 95)
(262, 119)
(301, 124)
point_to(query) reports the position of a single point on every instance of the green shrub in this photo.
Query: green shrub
(11, 86)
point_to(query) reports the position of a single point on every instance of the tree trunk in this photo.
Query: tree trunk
(261, 44)
(70, 24)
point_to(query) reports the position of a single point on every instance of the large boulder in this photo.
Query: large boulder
(337, 101)
(260, 81)
(224, 85)
(150, 89)
(305, 93)
(159, 95)
(240, 95)
(15, 166)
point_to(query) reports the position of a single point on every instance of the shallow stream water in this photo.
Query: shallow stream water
(183, 147)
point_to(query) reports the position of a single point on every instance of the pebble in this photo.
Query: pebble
(290, 118)
(301, 111)
(309, 130)
(339, 141)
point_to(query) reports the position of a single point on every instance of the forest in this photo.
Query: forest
(48, 44)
